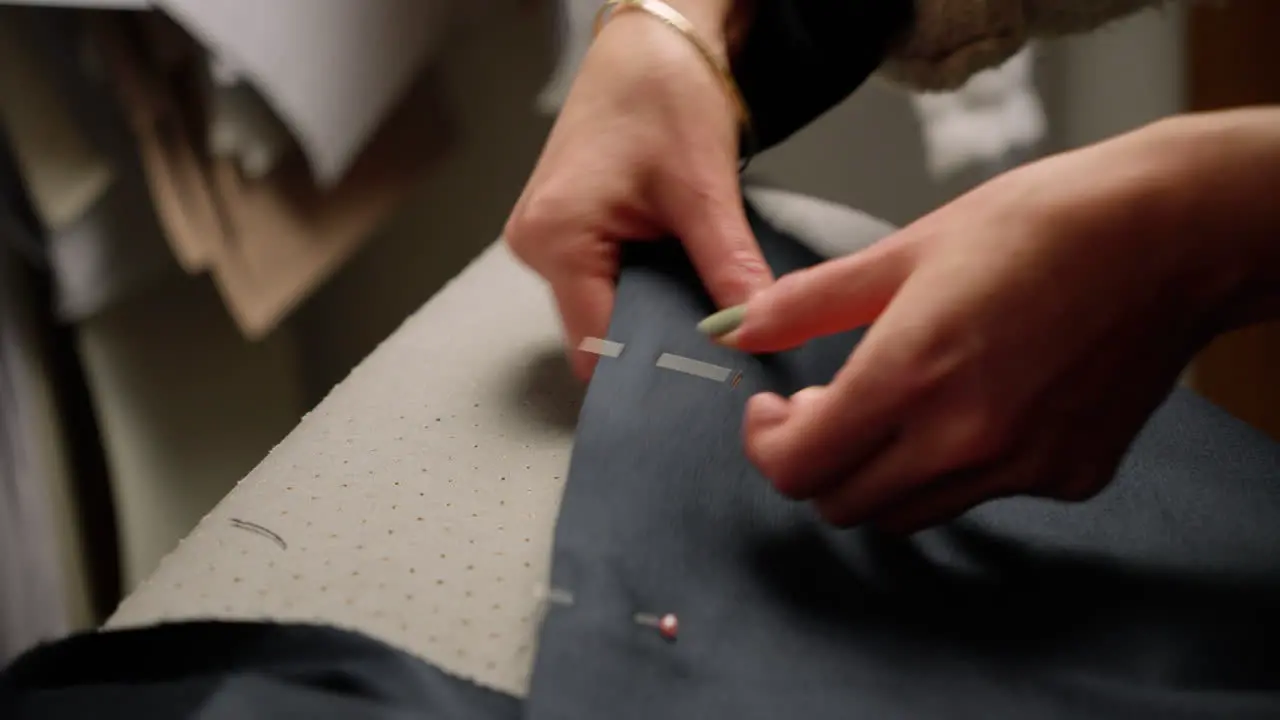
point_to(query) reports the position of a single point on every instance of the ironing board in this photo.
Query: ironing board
(417, 502)
(1154, 599)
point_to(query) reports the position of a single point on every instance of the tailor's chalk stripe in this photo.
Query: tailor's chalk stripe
(556, 596)
(598, 346)
(690, 366)
(552, 596)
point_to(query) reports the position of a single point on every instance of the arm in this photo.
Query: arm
(1219, 192)
(1021, 334)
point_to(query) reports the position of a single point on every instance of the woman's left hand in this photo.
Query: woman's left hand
(1022, 336)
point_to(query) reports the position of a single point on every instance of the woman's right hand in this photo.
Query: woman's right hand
(645, 147)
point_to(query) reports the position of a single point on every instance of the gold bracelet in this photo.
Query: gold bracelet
(681, 24)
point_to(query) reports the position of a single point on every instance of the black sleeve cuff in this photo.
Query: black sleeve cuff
(801, 58)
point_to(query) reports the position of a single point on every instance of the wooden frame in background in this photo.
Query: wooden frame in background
(1233, 59)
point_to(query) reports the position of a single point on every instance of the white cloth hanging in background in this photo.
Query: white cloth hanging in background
(330, 69)
(300, 103)
(242, 126)
(995, 116)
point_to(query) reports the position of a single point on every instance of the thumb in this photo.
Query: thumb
(718, 239)
(828, 298)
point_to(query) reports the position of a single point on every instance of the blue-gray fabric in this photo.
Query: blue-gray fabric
(237, 671)
(1158, 599)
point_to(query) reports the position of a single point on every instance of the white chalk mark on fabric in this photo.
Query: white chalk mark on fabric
(707, 370)
(552, 596)
(556, 596)
(599, 346)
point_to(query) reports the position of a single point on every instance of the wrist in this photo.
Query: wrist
(1139, 201)
(1218, 201)
(720, 24)
(714, 20)
(628, 37)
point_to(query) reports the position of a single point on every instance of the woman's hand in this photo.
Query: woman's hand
(1022, 336)
(646, 146)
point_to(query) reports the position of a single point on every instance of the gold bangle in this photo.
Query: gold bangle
(681, 24)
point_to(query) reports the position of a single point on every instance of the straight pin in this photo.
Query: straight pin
(668, 625)
(717, 373)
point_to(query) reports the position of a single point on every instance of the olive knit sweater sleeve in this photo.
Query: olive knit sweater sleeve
(799, 58)
(950, 40)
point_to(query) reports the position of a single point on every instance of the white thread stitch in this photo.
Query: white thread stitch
(667, 361)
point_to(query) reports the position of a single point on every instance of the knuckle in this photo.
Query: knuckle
(978, 436)
(748, 260)
(918, 374)
(731, 284)
(790, 288)
(946, 352)
(518, 238)
(533, 223)
(726, 259)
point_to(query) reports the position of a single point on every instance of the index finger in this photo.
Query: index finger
(828, 298)
(585, 303)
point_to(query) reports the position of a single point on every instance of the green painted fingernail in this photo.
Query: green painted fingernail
(723, 322)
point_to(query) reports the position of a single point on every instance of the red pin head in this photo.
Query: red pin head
(669, 626)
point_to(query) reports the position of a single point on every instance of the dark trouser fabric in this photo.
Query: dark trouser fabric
(237, 671)
(1158, 599)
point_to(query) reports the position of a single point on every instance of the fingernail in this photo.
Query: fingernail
(720, 324)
